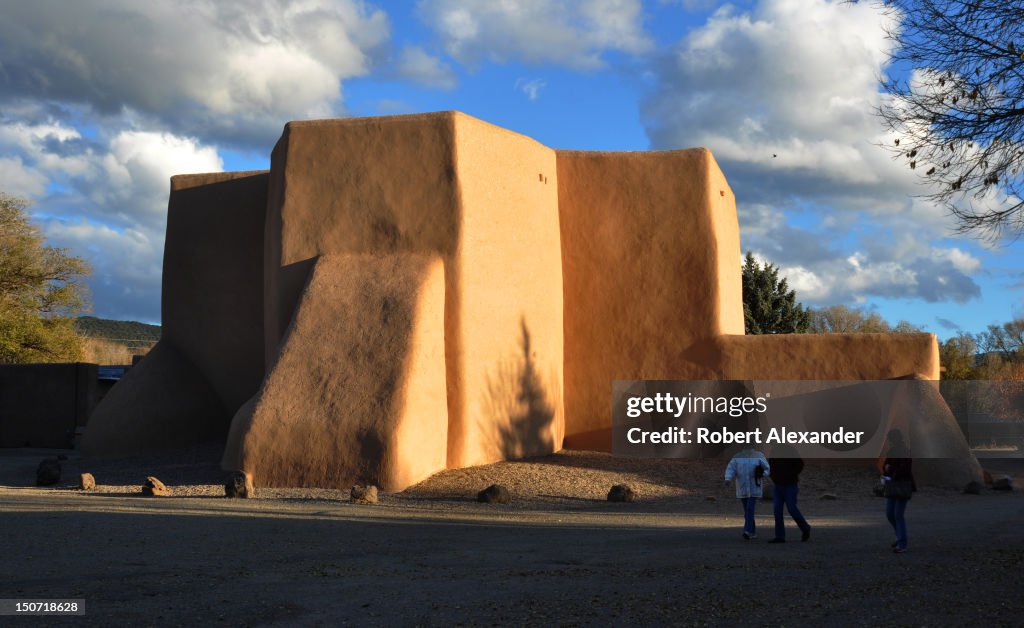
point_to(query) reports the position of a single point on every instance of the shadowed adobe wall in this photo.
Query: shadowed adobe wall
(209, 359)
(42, 405)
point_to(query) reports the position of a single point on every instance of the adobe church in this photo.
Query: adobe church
(400, 295)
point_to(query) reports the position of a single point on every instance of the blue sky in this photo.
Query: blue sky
(101, 101)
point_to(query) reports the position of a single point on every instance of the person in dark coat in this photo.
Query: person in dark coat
(899, 485)
(786, 465)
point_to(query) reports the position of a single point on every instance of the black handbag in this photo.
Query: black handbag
(898, 489)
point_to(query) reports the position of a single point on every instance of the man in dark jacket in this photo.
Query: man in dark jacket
(786, 466)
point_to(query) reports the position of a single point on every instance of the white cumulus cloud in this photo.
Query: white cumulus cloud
(232, 70)
(785, 95)
(418, 65)
(573, 33)
(104, 199)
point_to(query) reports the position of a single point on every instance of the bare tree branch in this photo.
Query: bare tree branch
(958, 121)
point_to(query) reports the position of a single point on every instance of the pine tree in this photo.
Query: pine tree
(769, 306)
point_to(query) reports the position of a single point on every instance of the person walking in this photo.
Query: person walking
(746, 468)
(786, 465)
(899, 487)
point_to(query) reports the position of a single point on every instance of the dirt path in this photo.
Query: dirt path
(428, 557)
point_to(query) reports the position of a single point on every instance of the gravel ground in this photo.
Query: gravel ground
(559, 554)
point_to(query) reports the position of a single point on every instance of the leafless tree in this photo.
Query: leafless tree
(958, 118)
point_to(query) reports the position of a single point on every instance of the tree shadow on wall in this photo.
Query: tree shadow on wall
(518, 403)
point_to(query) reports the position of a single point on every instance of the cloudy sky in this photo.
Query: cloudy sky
(102, 100)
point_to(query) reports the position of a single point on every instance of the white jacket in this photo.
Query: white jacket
(741, 468)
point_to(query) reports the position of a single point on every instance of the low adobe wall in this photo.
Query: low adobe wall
(42, 405)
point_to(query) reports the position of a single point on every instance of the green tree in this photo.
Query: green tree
(769, 306)
(958, 355)
(40, 292)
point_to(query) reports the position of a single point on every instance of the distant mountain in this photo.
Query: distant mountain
(122, 332)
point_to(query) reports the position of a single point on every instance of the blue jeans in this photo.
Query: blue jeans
(749, 505)
(894, 510)
(786, 494)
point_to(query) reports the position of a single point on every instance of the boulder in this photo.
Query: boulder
(1002, 484)
(87, 482)
(239, 484)
(621, 493)
(494, 494)
(972, 488)
(48, 472)
(155, 488)
(363, 494)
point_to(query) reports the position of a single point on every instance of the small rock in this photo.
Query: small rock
(239, 484)
(364, 494)
(494, 494)
(1002, 484)
(972, 488)
(621, 493)
(768, 492)
(48, 472)
(829, 496)
(87, 482)
(155, 488)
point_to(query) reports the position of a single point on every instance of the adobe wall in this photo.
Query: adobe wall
(360, 185)
(209, 359)
(482, 200)
(41, 405)
(430, 290)
(652, 283)
(508, 336)
(358, 392)
(651, 264)
(212, 274)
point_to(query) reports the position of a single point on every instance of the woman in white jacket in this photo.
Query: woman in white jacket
(743, 469)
